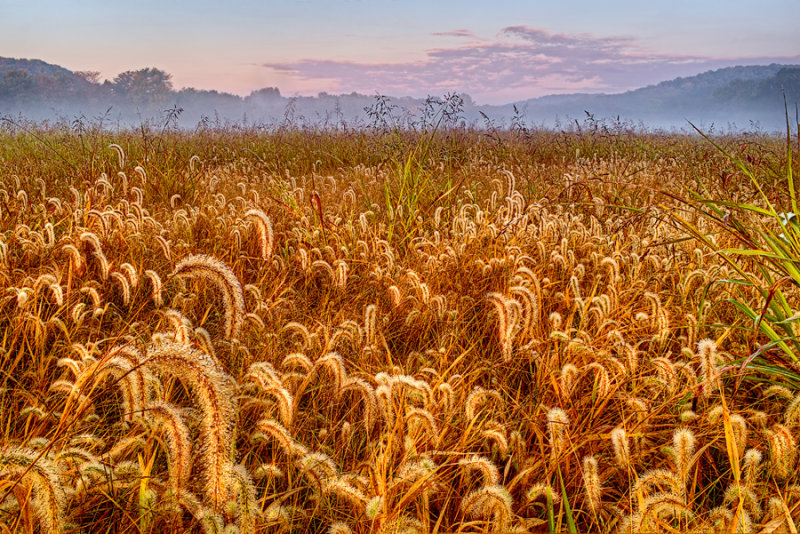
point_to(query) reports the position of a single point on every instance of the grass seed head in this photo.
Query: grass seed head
(557, 427)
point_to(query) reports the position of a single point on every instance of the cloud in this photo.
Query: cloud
(519, 62)
(462, 33)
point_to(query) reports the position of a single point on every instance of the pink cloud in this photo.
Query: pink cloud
(462, 33)
(520, 62)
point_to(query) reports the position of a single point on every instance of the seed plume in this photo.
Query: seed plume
(203, 266)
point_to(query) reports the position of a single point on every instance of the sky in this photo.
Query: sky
(498, 52)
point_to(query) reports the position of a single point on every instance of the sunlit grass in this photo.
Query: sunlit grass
(443, 331)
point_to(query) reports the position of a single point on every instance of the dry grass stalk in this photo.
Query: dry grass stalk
(213, 393)
(32, 469)
(204, 266)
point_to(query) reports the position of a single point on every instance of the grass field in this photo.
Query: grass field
(441, 331)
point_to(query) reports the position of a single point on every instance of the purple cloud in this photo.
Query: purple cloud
(462, 33)
(520, 62)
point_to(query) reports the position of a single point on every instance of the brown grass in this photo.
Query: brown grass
(270, 331)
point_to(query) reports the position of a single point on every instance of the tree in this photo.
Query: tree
(91, 76)
(143, 86)
(16, 84)
(265, 93)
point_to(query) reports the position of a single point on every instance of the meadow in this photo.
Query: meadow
(445, 330)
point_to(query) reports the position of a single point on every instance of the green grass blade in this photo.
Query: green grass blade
(571, 528)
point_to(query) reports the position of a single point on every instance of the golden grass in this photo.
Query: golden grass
(247, 331)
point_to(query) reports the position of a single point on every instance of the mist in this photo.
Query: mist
(729, 99)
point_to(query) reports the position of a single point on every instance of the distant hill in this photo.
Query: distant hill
(730, 95)
(703, 84)
(34, 67)
(27, 85)
(742, 96)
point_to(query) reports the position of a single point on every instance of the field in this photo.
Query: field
(241, 330)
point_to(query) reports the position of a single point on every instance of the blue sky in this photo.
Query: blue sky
(497, 51)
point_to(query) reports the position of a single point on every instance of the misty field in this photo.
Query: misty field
(241, 330)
